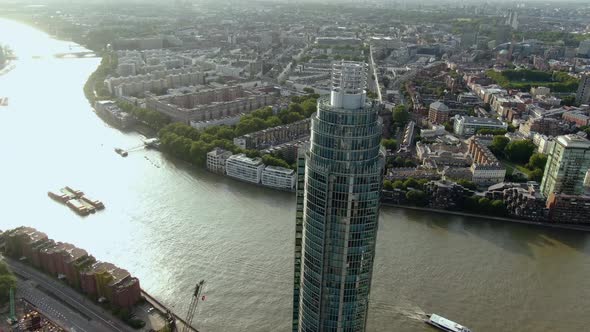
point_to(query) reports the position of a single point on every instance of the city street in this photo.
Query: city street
(62, 304)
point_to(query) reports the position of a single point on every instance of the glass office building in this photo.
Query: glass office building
(567, 164)
(338, 197)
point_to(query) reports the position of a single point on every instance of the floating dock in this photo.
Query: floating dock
(76, 201)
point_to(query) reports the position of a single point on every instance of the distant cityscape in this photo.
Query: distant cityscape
(471, 109)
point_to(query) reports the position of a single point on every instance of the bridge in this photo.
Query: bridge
(87, 54)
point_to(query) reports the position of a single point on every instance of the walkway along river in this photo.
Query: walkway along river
(172, 225)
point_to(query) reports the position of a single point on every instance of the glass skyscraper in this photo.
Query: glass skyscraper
(567, 163)
(339, 184)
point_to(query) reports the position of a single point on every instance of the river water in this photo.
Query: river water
(172, 225)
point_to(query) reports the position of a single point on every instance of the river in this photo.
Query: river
(172, 225)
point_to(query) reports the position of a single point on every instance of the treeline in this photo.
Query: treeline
(192, 145)
(414, 188)
(483, 205)
(151, 118)
(94, 88)
(524, 79)
(7, 281)
(522, 153)
(568, 38)
(415, 194)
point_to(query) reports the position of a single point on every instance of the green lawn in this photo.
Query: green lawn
(510, 167)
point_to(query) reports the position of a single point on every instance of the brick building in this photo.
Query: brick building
(571, 209)
(438, 113)
(73, 265)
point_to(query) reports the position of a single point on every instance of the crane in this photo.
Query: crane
(193, 306)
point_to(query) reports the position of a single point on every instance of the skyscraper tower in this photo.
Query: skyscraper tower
(583, 95)
(338, 200)
(567, 164)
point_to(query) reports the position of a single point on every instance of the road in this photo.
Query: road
(61, 303)
(374, 79)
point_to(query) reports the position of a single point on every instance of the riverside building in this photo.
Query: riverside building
(568, 162)
(240, 167)
(278, 177)
(216, 160)
(338, 198)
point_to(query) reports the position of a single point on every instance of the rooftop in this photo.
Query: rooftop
(574, 141)
(278, 169)
(437, 105)
(246, 160)
(481, 121)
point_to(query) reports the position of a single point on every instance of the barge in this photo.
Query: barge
(445, 324)
(76, 201)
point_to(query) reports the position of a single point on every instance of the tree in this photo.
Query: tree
(498, 145)
(198, 153)
(412, 183)
(389, 144)
(467, 184)
(398, 184)
(537, 161)
(295, 108)
(7, 281)
(387, 185)
(417, 197)
(308, 90)
(226, 132)
(273, 121)
(269, 160)
(536, 175)
(309, 107)
(497, 208)
(291, 117)
(400, 115)
(520, 151)
(448, 126)
(252, 153)
(568, 101)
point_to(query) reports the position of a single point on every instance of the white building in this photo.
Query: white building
(543, 142)
(278, 177)
(540, 91)
(227, 121)
(241, 167)
(436, 130)
(216, 159)
(487, 174)
(469, 125)
(126, 69)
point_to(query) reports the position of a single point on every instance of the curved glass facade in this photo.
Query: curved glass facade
(341, 197)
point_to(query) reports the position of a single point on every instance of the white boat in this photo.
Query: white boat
(445, 324)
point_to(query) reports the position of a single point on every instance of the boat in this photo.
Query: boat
(121, 152)
(445, 324)
(3, 101)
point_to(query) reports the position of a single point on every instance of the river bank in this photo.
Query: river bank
(172, 224)
(492, 218)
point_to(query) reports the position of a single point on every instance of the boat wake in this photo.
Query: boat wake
(413, 312)
(404, 309)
